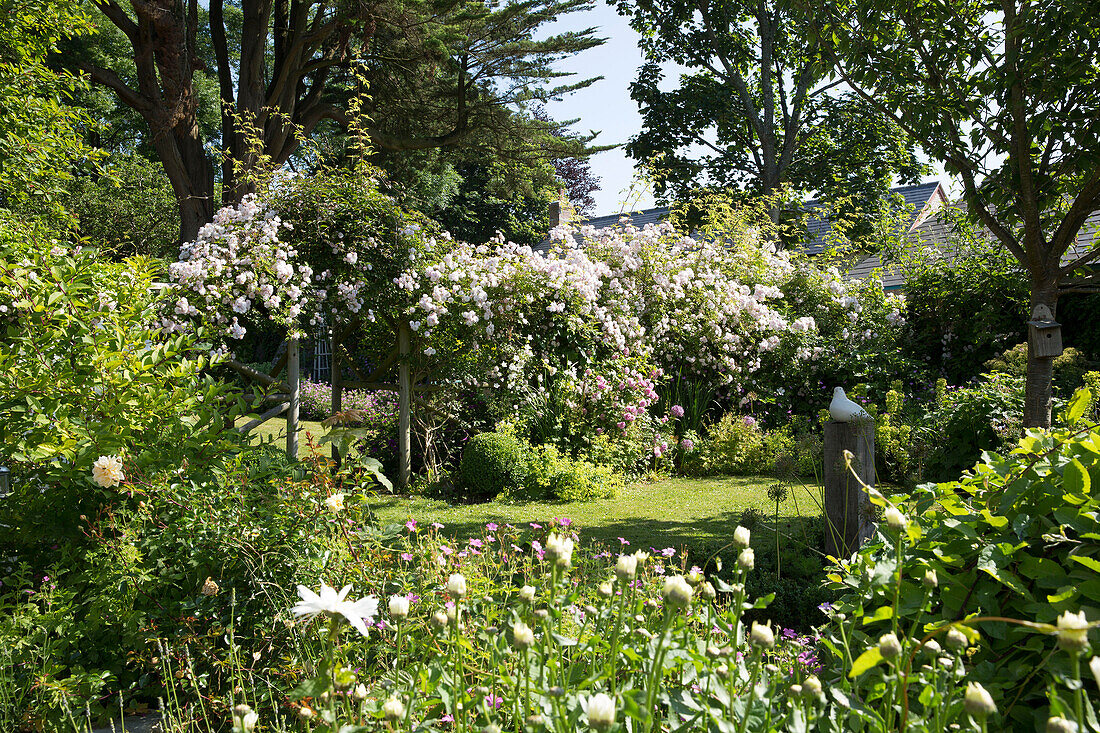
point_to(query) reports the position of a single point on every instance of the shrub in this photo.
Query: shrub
(734, 446)
(1069, 367)
(1015, 539)
(492, 463)
(968, 420)
(583, 481)
(85, 371)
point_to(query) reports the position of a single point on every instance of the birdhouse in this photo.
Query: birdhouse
(1044, 333)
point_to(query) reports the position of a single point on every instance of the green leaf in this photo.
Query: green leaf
(1077, 406)
(1088, 562)
(870, 658)
(882, 613)
(1075, 479)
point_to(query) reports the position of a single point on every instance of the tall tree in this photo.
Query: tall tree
(755, 107)
(1006, 93)
(438, 73)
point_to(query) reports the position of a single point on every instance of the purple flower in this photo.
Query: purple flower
(491, 526)
(407, 556)
(687, 444)
(749, 421)
(623, 541)
(677, 411)
(436, 525)
(411, 525)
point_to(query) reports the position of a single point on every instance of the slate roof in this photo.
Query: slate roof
(917, 198)
(924, 225)
(936, 232)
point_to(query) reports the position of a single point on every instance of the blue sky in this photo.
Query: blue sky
(606, 106)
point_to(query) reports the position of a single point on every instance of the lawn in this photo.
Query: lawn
(275, 430)
(700, 514)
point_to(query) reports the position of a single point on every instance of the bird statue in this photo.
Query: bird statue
(842, 409)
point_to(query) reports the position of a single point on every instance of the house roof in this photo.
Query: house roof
(924, 225)
(935, 231)
(922, 199)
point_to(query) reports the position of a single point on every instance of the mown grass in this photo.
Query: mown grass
(699, 514)
(274, 430)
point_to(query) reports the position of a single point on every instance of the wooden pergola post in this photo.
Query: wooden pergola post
(292, 377)
(404, 406)
(337, 383)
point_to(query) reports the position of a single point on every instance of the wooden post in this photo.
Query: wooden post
(404, 406)
(337, 384)
(292, 376)
(847, 515)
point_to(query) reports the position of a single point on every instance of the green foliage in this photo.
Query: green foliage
(580, 480)
(85, 372)
(40, 137)
(962, 311)
(1069, 367)
(1015, 539)
(968, 420)
(735, 445)
(90, 613)
(128, 209)
(834, 144)
(492, 463)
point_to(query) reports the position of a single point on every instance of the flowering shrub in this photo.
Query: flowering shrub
(88, 379)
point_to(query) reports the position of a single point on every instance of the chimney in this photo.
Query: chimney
(561, 211)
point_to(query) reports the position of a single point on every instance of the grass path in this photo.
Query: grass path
(675, 512)
(275, 430)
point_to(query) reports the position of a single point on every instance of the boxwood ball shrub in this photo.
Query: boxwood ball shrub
(492, 463)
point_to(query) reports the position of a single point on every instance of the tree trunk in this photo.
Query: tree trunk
(1040, 370)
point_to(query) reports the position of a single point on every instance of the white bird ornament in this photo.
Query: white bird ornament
(842, 409)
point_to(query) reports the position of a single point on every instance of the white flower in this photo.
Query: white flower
(393, 709)
(244, 719)
(399, 606)
(522, 636)
(600, 710)
(895, 519)
(527, 593)
(762, 636)
(559, 550)
(889, 646)
(335, 502)
(741, 537)
(1060, 725)
(626, 567)
(677, 592)
(978, 701)
(1073, 632)
(747, 559)
(1094, 667)
(107, 471)
(456, 585)
(332, 603)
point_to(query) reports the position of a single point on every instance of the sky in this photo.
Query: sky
(606, 107)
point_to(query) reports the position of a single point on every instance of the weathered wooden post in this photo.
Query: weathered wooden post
(847, 509)
(292, 378)
(404, 407)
